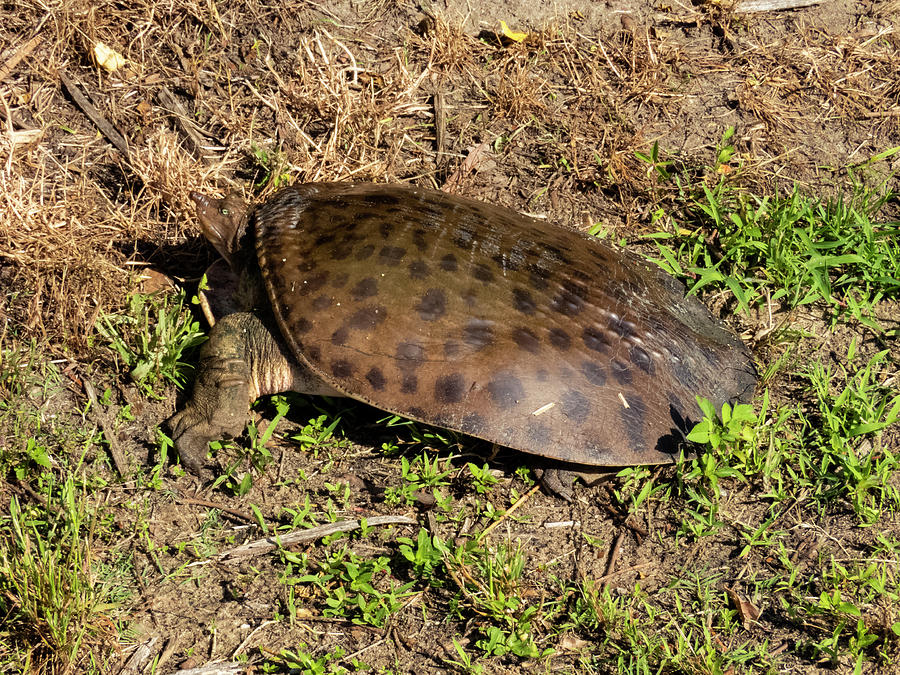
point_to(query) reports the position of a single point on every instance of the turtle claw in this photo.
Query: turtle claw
(557, 481)
(220, 403)
(191, 435)
(557, 477)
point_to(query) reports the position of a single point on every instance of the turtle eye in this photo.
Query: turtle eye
(225, 211)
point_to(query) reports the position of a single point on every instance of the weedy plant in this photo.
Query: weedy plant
(153, 338)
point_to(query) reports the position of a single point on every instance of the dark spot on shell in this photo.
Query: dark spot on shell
(381, 199)
(451, 349)
(339, 280)
(432, 305)
(620, 371)
(339, 337)
(365, 288)
(341, 251)
(523, 301)
(598, 253)
(449, 388)
(538, 433)
(390, 255)
(464, 239)
(314, 284)
(301, 325)
(556, 254)
(526, 340)
(307, 266)
(483, 273)
(595, 340)
(341, 368)
(313, 353)
(416, 411)
(621, 327)
(542, 375)
(409, 384)
(538, 277)
(321, 302)
(367, 318)
(593, 373)
(479, 333)
(570, 300)
(506, 390)
(365, 252)
(418, 269)
(575, 406)
(410, 355)
(376, 378)
(472, 423)
(448, 263)
(641, 359)
(634, 417)
(560, 339)
(419, 239)
(386, 228)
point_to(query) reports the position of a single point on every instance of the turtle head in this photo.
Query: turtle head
(223, 222)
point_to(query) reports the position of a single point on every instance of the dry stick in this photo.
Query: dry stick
(101, 418)
(748, 6)
(220, 668)
(634, 568)
(213, 505)
(512, 509)
(93, 114)
(440, 131)
(20, 54)
(260, 546)
(614, 557)
(139, 657)
(176, 110)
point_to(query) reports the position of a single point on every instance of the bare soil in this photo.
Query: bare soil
(230, 95)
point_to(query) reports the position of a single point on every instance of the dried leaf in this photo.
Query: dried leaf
(107, 58)
(511, 34)
(748, 612)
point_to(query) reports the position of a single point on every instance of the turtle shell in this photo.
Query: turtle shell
(472, 317)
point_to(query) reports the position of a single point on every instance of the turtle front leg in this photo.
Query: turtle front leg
(222, 395)
(242, 361)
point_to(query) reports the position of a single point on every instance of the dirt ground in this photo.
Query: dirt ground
(248, 95)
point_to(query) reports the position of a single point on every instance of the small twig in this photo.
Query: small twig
(218, 668)
(20, 54)
(93, 114)
(634, 568)
(101, 417)
(512, 509)
(246, 640)
(139, 657)
(440, 130)
(614, 556)
(260, 546)
(748, 6)
(176, 110)
(213, 505)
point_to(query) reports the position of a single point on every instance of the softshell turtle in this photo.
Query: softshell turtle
(460, 314)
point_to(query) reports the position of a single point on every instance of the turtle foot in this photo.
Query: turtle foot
(557, 477)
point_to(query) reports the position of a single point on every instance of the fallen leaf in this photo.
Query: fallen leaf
(511, 34)
(748, 612)
(107, 58)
